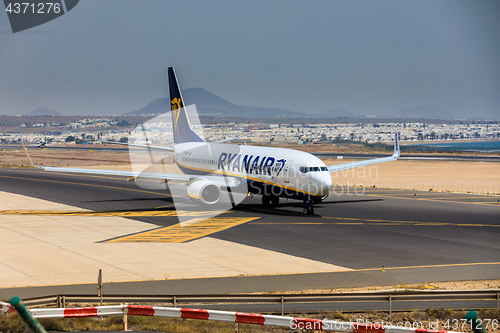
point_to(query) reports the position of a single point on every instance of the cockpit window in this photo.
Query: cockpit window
(304, 169)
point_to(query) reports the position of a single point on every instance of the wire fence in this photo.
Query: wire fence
(401, 300)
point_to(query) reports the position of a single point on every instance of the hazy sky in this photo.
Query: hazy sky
(369, 57)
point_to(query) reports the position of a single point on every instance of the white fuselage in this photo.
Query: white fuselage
(269, 171)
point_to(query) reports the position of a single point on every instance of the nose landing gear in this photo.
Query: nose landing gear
(308, 207)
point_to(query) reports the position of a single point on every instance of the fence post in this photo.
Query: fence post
(498, 300)
(282, 306)
(390, 304)
(58, 301)
(174, 301)
(64, 302)
(99, 285)
(125, 311)
(236, 327)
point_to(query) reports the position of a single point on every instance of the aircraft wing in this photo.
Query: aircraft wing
(351, 165)
(226, 140)
(221, 181)
(141, 146)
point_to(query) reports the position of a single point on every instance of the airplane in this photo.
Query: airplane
(210, 168)
(42, 143)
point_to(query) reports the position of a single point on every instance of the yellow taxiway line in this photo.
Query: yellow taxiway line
(92, 185)
(138, 213)
(178, 233)
(429, 199)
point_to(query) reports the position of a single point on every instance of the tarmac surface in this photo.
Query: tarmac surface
(417, 236)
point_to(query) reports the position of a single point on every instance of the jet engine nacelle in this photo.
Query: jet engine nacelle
(206, 191)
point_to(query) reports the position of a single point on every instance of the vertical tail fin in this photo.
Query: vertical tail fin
(180, 122)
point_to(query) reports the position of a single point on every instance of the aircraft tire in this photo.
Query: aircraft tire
(308, 210)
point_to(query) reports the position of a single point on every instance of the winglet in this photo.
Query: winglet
(397, 152)
(29, 158)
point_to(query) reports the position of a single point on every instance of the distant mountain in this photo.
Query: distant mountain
(338, 113)
(45, 112)
(208, 104)
(428, 111)
(158, 106)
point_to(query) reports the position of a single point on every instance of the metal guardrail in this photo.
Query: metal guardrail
(372, 298)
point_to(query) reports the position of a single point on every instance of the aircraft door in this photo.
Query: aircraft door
(286, 171)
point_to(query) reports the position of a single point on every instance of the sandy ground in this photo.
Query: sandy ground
(451, 285)
(62, 158)
(453, 176)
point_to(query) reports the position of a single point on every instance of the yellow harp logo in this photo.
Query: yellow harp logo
(176, 105)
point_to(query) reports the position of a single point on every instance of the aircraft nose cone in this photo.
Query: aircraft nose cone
(324, 182)
(327, 184)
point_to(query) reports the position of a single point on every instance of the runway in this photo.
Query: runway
(435, 236)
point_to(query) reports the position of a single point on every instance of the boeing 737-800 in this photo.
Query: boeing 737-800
(209, 169)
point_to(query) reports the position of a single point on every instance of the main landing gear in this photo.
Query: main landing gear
(270, 200)
(308, 207)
